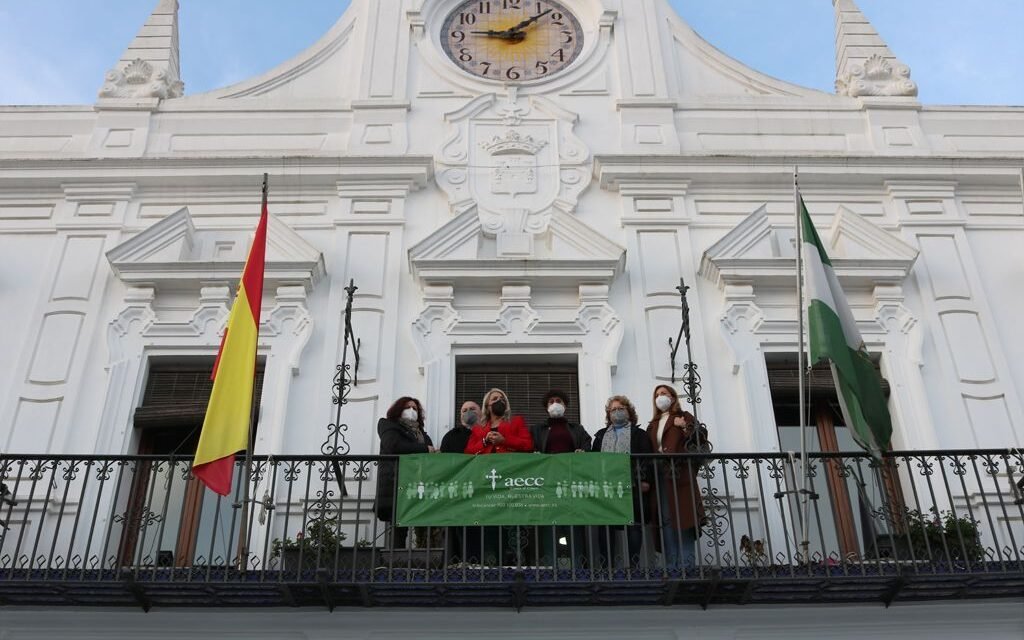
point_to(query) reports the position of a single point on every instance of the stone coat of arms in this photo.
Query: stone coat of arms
(515, 160)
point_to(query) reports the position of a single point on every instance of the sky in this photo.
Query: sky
(960, 52)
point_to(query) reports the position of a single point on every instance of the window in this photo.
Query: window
(844, 519)
(525, 382)
(170, 517)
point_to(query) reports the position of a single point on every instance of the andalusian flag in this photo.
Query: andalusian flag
(833, 334)
(226, 427)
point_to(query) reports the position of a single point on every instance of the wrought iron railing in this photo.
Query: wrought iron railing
(914, 525)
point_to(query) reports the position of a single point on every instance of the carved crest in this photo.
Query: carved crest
(878, 76)
(140, 79)
(515, 160)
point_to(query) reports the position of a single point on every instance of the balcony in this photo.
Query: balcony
(137, 531)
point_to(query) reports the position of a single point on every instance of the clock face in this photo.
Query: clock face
(512, 40)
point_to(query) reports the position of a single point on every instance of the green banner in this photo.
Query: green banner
(514, 489)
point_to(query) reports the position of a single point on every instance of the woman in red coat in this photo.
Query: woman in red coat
(499, 431)
(676, 502)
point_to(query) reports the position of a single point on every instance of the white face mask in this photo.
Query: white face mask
(663, 403)
(556, 409)
(410, 415)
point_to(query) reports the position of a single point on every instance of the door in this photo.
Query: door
(855, 496)
(171, 519)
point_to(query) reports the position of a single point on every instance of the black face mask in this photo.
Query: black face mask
(499, 408)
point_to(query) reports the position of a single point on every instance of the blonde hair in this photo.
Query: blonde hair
(485, 409)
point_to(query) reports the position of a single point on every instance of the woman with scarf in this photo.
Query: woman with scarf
(622, 435)
(401, 432)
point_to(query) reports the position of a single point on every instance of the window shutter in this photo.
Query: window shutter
(176, 396)
(784, 381)
(525, 388)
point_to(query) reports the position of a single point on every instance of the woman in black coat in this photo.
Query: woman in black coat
(401, 432)
(622, 435)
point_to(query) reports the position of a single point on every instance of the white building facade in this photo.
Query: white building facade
(534, 212)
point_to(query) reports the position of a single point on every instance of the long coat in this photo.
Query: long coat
(677, 477)
(639, 443)
(395, 439)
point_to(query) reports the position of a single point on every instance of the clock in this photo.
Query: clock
(512, 40)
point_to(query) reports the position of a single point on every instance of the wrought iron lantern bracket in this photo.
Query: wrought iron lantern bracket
(691, 376)
(346, 377)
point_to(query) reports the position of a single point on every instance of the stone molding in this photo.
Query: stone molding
(137, 334)
(173, 251)
(757, 252)
(140, 79)
(518, 327)
(516, 161)
(877, 76)
(865, 65)
(150, 66)
(453, 254)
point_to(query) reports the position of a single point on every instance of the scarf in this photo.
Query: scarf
(414, 429)
(617, 439)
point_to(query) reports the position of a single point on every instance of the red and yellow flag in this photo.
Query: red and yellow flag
(226, 427)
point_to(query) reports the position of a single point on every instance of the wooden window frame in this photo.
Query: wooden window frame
(822, 409)
(163, 412)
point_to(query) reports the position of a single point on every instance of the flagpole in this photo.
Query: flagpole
(801, 392)
(243, 551)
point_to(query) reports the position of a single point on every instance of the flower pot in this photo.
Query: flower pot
(344, 559)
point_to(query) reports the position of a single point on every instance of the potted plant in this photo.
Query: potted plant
(321, 546)
(931, 536)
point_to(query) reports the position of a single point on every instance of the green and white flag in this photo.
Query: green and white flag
(833, 334)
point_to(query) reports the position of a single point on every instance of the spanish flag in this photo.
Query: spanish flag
(226, 426)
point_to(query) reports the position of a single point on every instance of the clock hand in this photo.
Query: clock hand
(528, 22)
(504, 35)
(512, 33)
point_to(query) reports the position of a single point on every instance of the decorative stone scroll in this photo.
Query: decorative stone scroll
(140, 79)
(878, 76)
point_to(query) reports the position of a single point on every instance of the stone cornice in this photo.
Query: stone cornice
(302, 273)
(616, 171)
(413, 171)
(757, 253)
(477, 269)
(283, 164)
(782, 271)
(170, 254)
